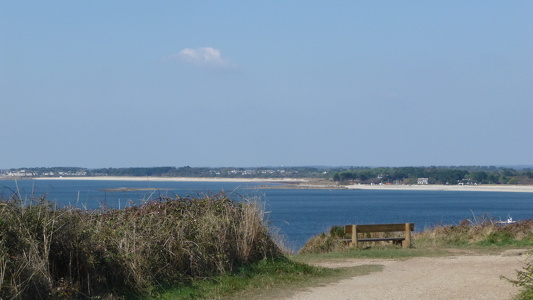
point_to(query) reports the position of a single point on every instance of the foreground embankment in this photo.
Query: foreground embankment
(68, 253)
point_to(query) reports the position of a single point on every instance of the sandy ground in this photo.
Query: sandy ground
(177, 179)
(317, 184)
(452, 277)
(436, 187)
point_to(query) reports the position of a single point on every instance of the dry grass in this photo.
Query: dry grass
(326, 242)
(46, 252)
(482, 231)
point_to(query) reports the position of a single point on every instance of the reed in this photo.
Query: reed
(53, 253)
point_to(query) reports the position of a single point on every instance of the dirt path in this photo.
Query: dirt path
(451, 277)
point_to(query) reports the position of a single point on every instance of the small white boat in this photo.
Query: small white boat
(509, 221)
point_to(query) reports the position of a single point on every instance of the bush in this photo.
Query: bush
(47, 252)
(326, 242)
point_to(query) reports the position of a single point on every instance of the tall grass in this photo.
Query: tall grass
(52, 253)
(482, 231)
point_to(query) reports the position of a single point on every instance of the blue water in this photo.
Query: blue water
(299, 214)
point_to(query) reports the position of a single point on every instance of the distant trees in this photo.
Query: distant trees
(436, 175)
(493, 178)
(401, 175)
(150, 171)
(186, 171)
(478, 177)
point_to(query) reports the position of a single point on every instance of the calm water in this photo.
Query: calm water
(299, 214)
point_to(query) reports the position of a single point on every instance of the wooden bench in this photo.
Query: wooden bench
(405, 227)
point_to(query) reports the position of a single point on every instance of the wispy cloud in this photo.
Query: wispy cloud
(204, 56)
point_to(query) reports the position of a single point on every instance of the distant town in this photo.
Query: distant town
(453, 175)
(162, 172)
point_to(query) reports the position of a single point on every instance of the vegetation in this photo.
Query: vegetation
(436, 175)
(365, 175)
(479, 232)
(169, 248)
(226, 172)
(64, 253)
(326, 242)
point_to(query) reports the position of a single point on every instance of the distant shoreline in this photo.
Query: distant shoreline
(458, 188)
(309, 183)
(177, 179)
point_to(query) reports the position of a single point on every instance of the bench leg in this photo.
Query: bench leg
(407, 242)
(354, 236)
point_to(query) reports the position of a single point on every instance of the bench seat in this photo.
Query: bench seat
(354, 230)
(374, 239)
(382, 239)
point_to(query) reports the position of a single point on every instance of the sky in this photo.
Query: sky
(265, 83)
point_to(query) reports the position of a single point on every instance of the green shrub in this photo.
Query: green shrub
(337, 232)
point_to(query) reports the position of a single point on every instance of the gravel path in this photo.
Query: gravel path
(451, 277)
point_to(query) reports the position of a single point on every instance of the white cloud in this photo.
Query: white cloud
(205, 56)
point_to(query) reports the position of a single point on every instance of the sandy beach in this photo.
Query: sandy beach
(177, 179)
(436, 187)
(306, 183)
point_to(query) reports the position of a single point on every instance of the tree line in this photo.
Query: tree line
(436, 175)
(185, 171)
(364, 175)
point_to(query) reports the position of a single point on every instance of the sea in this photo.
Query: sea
(296, 214)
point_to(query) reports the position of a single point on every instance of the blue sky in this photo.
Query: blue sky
(270, 83)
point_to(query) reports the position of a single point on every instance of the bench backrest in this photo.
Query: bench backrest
(379, 228)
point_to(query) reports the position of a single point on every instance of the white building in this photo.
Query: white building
(423, 180)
